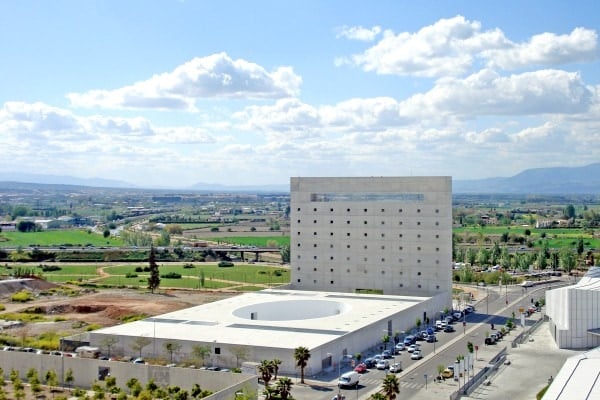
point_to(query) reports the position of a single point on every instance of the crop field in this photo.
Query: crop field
(252, 240)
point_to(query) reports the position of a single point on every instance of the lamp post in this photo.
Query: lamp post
(344, 356)
(425, 376)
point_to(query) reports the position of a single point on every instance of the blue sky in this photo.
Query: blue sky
(169, 93)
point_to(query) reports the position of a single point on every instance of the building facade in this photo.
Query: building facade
(391, 235)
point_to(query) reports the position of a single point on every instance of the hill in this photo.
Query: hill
(558, 180)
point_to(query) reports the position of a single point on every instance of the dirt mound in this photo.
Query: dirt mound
(10, 286)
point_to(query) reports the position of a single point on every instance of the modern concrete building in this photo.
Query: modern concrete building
(574, 312)
(391, 235)
(369, 256)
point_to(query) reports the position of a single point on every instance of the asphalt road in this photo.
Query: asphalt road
(416, 375)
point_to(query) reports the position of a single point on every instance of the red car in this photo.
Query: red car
(361, 368)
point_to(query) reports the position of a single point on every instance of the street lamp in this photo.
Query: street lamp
(344, 356)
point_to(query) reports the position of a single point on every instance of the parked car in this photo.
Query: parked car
(338, 397)
(447, 373)
(449, 328)
(387, 354)
(489, 340)
(349, 379)
(431, 338)
(400, 347)
(416, 355)
(383, 364)
(410, 339)
(413, 347)
(139, 360)
(370, 362)
(395, 368)
(361, 368)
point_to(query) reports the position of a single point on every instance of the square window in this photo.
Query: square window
(437, 223)
(383, 260)
(365, 234)
(314, 209)
(347, 246)
(419, 248)
(314, 257)
(314, 221)
(419, 273)
(348, 222)
(419, 235)
(402, 285)
(365, 210)
(299, 233)
(298, 208)
(348, 210)
(314, 269)
(382, 272)
(331, 270)
(331, 222)
(298, 221)
(298, 244)
(330, 233)
(437, 236)
(298, 258)
(315, 233)
(437, 211)
(383, 235)
(315, 281)
(314, 245)
(400, 235)
(347, 258)
(382, 247)
(401, 248)
(348, 234)
(299, 280)
(383, 210)
(365, 259)
(418, 210)
(419, 286)
(331, 209)
(366, 246)
(400, 210)
(418, 222)
(365, 222)
(331, 258)
(331, 282)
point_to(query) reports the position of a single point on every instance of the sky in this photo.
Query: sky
(170, 93)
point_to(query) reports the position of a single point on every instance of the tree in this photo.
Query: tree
(301, 355)
(200, 352)
(276, 363)
(265, 369)
(390, 387)
(377, 396)
(154, 278)
(284, 386)
(139, 343)
(569, 211)
(106, 233)
(108, 342)
(69, 378)
(171, 347)
(386, 339)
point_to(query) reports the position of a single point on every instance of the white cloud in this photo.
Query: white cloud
(546, 49)
(215, 76)
(358, 33)
(444, 48)
(488, 93)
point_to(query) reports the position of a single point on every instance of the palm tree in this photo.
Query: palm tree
(301, 355)
(276, 363)
(377, 396)
(265, 369)
(390, 387)
(284, 386)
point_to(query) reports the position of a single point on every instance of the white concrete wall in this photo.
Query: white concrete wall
(392, 234)
(85, 372)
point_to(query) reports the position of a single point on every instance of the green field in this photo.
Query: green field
(56, 238)
(252, 240)
(215, 277)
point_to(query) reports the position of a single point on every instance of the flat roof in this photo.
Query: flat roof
(271, 318)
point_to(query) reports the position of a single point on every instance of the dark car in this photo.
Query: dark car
(449, 328)
(370, 362)
(410, 339)
(489, 340)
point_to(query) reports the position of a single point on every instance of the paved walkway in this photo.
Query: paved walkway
(531, 365)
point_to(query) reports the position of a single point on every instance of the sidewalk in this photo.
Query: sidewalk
(531, 365)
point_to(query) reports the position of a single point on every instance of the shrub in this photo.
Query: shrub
(171, 275)
(225, 264)
(131, 275)
(21, 296)
(2, 307)
(139, 269)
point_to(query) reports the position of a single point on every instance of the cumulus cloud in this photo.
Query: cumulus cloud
(488, 93)
(546, 49)
(358, 33)
(445, 48)
(33, 122)
(215, 76)
(451, 47)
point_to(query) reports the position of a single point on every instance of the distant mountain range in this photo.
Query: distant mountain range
(558, 180)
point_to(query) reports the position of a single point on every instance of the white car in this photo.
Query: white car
(416, 355)
(400, 347)
(413, 347)
(397, 367)
(382, 364)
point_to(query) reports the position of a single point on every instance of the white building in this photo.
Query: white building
(574, 312)
(392, 235)
(369, 256)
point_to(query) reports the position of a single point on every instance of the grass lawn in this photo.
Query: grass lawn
(73, 237)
